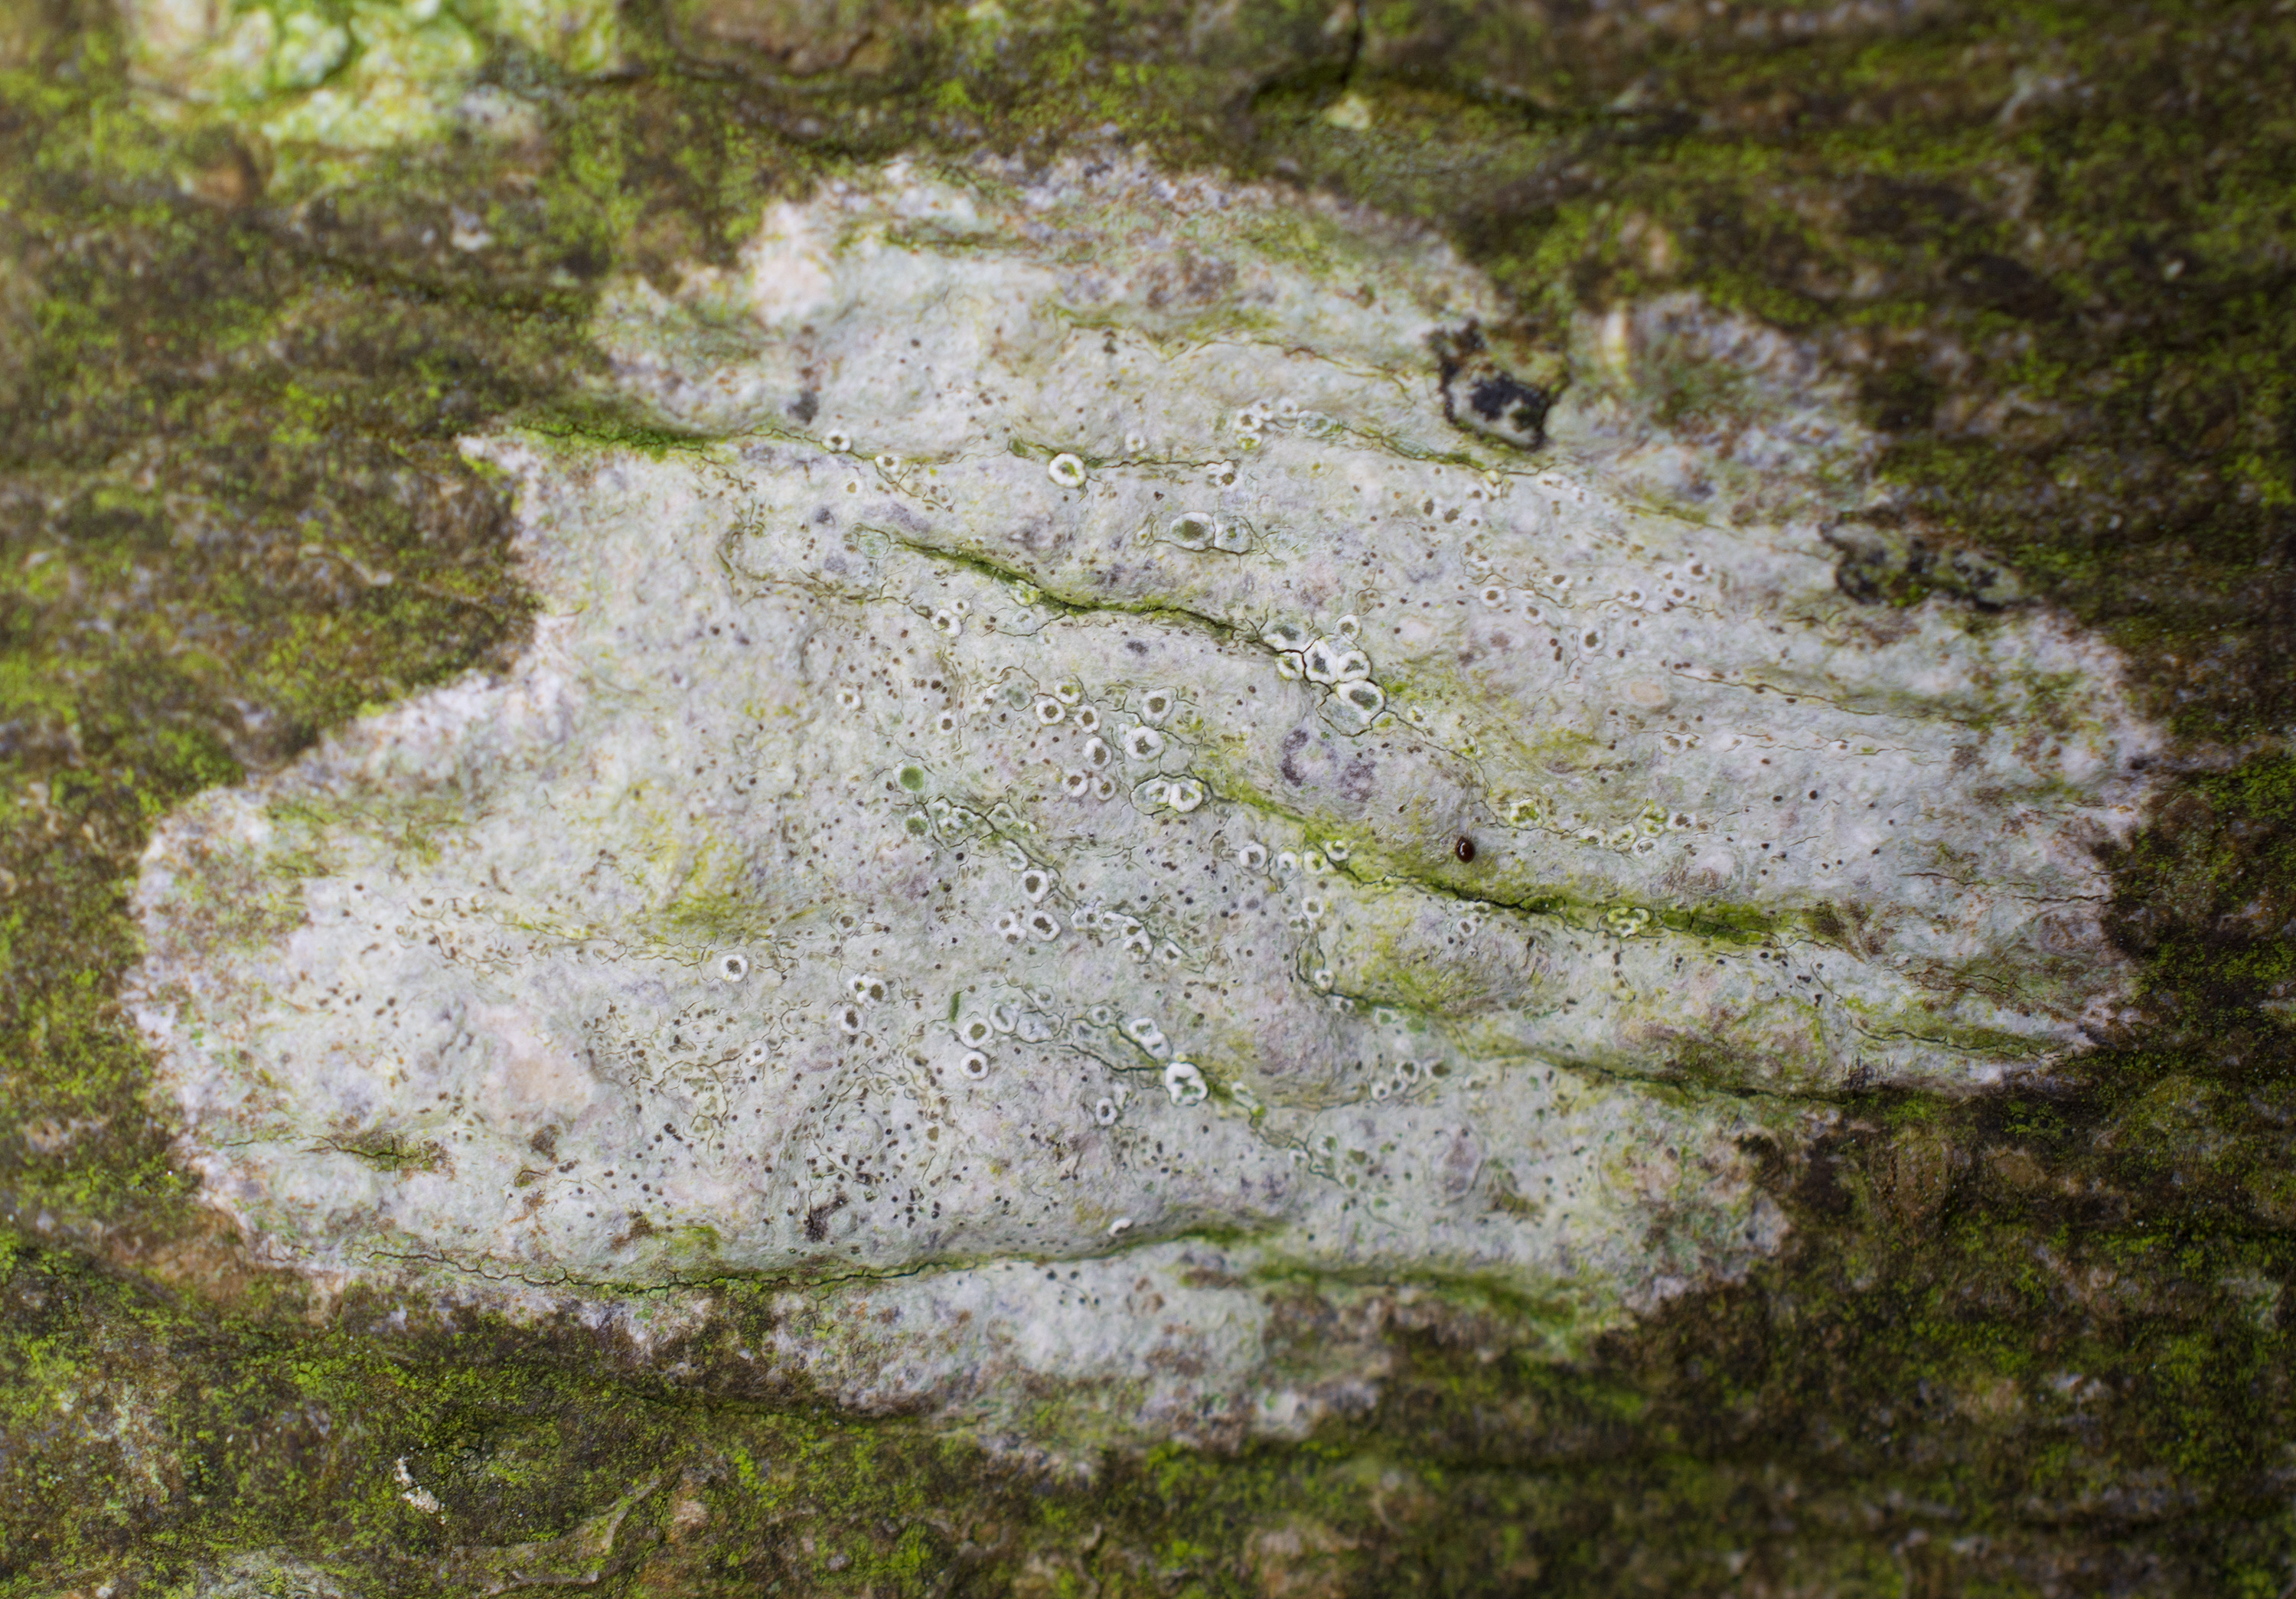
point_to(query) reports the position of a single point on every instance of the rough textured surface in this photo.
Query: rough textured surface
(1107, 765)
(341, 78)
(1981, 306)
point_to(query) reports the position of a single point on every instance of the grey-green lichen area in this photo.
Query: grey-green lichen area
(367, 74)
(1091, 767)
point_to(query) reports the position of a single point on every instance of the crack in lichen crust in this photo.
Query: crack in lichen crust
(1092, 758)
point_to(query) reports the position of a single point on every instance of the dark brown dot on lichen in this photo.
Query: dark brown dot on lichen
(1464, 848)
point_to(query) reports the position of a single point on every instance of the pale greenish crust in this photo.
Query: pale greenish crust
(817, 897)
(340, 81)
(2027, 1342)
(917, 839)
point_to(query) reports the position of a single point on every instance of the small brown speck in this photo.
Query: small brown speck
(1464, 848)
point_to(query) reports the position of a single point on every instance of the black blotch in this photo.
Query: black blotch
(1500, 399)
(1482, 397)
(816, 1220)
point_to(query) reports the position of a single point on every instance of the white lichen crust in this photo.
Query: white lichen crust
(1092, 759)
